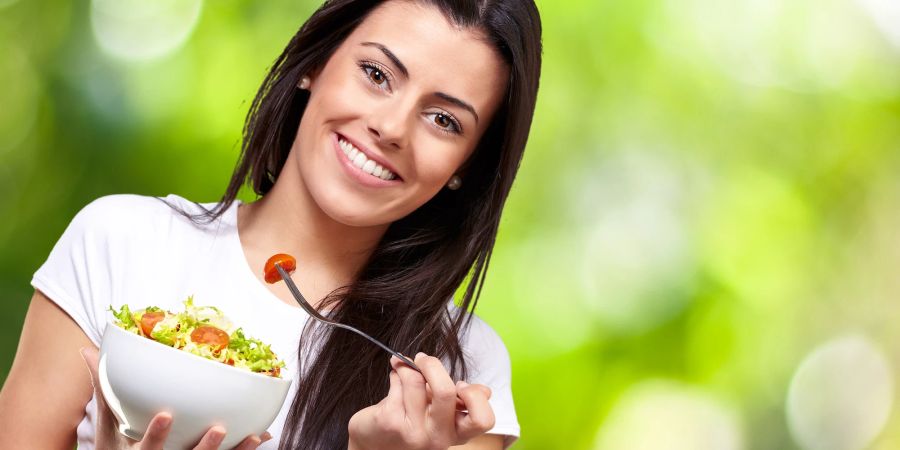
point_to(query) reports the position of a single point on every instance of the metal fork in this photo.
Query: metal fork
(315, 315)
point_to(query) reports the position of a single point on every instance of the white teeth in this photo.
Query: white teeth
(359, 159)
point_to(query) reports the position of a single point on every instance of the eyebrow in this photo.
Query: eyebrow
(457, 102)
(446, 97)
(390, 56)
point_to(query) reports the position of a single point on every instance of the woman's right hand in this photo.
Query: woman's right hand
(108, 438)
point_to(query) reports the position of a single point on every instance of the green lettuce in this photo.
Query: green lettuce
(175, 330)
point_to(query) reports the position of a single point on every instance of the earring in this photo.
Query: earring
(454, 183)
(304, 83)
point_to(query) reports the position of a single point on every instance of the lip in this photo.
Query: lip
(355, 172)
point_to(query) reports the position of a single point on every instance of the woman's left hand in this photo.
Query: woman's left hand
(419, 411)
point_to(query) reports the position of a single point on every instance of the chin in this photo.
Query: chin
(353, 211)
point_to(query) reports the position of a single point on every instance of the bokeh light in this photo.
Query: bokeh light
(637, 268)
(668, 415)
(886, 15)
(841, 395)
(136, 30)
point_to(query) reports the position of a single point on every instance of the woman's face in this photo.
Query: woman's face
(394, 113)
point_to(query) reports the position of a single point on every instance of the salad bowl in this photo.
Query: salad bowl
(140, 377)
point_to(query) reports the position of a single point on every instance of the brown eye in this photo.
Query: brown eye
(442, 120)
(377, 76)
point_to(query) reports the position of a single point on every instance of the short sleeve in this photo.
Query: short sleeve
(76, 276)
(489, 364)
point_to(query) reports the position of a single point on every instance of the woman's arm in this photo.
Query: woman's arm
(43, 398)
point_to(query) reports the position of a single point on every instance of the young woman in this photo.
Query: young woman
(383, 144)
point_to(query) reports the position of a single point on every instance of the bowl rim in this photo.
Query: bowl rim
(139, 338)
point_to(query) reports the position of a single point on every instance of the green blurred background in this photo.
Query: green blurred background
(701, 250)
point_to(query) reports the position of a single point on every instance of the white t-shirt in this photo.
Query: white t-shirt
(135, 250)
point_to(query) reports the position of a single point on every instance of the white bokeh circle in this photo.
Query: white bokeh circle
(660, 414)
(841, 395)
(137, 30)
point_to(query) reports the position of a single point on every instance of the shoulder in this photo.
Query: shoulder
(133, 207)
(486, 355)
(128, 214)
(114, 210)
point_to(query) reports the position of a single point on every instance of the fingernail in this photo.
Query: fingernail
(266, 436)
(461, 384)
(420, 354)
(218, 436)
(165, 421)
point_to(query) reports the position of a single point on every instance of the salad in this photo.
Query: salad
(203, 331)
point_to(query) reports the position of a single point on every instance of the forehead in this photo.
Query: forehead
(438, 54)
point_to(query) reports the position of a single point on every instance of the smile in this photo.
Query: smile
(362, 162)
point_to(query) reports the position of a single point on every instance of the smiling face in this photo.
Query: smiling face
(394, 113)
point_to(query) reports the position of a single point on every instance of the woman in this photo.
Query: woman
(383, 144)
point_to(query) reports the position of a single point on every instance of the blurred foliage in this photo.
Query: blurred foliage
(710, 195)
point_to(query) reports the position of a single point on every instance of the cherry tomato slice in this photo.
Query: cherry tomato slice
(212, 336)
(149, 320)
(276, 372)
(287, 262)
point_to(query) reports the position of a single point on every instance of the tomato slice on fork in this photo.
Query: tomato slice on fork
(287, 262)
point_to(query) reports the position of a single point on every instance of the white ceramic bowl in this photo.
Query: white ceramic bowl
(140, 377)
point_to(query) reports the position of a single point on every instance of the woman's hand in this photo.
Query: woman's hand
(419, 411)
(108, 438)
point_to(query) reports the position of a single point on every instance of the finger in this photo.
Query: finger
(394, 399)
(415, 400)
(484, 389)
(442, 409)
(480, 416)
(212, 439)
(249, 443)
(157, 432)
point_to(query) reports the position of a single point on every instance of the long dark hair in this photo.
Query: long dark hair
(400, 296)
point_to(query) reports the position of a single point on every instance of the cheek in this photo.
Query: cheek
(436, 163)
(340, 89)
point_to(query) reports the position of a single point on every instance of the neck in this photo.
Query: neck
(287, 220)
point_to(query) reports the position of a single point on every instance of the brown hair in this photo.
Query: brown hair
(400, 296)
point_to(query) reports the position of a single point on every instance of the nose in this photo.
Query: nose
(389, 124)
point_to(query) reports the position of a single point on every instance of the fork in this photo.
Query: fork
(315, 315)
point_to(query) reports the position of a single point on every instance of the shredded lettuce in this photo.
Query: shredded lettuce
(175, 330)
(125, 318)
